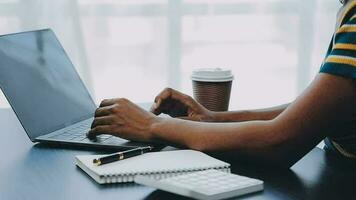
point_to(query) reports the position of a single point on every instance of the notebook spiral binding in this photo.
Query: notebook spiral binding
(129, 177)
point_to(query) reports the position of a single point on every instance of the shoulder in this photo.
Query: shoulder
(341, 59)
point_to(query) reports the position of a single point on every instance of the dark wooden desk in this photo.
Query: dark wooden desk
(29, 171)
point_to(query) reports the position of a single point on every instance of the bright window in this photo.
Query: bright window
(135, 48)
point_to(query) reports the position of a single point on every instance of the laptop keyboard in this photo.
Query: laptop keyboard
(77, 133)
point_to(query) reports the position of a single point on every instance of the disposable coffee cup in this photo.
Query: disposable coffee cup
(212, 87)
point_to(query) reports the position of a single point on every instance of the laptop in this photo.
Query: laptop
(46, 92)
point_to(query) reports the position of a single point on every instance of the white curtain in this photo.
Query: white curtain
(135, 48)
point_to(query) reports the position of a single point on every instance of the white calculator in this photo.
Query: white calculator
(208, 184)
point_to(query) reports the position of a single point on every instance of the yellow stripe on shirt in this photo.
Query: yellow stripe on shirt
(347, 28)
(353, 17)
(345, 46)
(341, 60)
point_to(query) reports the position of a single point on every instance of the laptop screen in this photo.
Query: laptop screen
(41, 84)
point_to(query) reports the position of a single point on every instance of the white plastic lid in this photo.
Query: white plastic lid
(212, 75)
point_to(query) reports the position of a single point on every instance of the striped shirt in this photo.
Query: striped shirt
(341, 61)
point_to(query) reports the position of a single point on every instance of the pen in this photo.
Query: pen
(121, 155)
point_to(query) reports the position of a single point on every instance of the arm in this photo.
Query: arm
(281, 141)
(284, 139)
(249, 115)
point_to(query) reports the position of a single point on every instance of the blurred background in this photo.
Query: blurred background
(135, 48)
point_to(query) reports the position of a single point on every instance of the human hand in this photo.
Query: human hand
(122, 118)
(177, 104)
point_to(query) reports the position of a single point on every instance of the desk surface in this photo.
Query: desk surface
(29, 171)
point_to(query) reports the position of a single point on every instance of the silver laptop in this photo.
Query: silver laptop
(46, 93)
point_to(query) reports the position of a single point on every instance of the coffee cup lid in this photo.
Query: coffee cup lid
(212, 75)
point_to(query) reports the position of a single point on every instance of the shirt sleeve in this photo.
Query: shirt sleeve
(341, 60)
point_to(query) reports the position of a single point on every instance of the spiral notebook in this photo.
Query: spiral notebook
(154, 164)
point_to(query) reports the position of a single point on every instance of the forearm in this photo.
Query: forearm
(249, 115)
(205, 136)
(255, 139)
